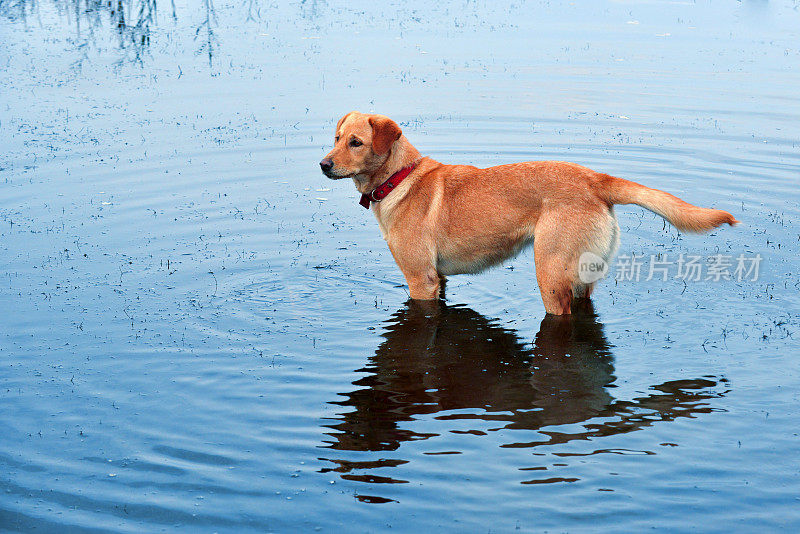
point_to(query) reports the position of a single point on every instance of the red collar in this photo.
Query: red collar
(380, 192)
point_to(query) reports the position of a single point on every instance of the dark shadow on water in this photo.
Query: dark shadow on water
(455, 362)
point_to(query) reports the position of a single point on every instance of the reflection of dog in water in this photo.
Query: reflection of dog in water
(438, 358)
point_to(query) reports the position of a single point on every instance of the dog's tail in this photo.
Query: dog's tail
(680, 214)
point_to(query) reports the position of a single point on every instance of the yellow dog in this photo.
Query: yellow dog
(441, 219)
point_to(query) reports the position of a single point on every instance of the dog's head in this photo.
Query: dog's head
(362, 144)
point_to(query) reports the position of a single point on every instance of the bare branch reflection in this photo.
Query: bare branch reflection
(209, 22)
(135, 36)
(132, 22)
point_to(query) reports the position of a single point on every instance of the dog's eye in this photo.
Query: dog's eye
(336, 139)
(355, 142)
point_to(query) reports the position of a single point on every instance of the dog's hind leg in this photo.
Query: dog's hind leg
(556, 264)
(559, 240)
(603, 242)
(555, 285)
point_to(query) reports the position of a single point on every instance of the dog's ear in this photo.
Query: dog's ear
(384, 133)
(339, 124)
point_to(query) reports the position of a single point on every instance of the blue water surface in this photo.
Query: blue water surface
(201, 333)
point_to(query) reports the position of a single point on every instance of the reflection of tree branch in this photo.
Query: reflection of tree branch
(253, 6)
(15, 10)
(78, 18)
(120, 15)
(130, 20)
(137, 35)
(309, 9)
(208, 23)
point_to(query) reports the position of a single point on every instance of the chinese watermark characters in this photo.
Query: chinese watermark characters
(686, 267)
(689, 267)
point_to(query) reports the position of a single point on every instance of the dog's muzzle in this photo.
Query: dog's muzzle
(327, 166)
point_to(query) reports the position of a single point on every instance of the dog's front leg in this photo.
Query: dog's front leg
(414, 260)
(423, 286)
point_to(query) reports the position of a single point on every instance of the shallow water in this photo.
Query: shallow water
(201, 332)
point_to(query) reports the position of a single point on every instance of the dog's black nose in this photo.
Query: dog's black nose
(326, 165)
